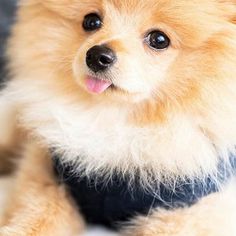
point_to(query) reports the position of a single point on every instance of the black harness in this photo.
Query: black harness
(117, 201)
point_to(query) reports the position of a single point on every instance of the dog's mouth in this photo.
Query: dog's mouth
(96, 85)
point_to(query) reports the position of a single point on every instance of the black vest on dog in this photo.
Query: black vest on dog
(115, 203)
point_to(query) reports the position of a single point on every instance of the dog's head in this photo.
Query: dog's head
(138, 49)
(167, 66)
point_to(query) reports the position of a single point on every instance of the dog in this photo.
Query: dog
(126, 113)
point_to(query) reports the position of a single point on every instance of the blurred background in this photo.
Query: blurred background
(7, 13)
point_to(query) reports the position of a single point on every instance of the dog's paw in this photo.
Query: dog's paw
(212, 216)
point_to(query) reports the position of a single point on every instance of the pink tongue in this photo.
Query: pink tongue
(97, 86)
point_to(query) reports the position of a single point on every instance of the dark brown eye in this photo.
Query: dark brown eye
(92, 22)
(158, 40)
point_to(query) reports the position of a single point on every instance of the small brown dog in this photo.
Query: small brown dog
(134, 101)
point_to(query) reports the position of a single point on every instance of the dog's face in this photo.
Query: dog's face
(157, 64)
(137, 50)
(125, 50)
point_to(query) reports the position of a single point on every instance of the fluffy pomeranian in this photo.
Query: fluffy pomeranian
(126, 111)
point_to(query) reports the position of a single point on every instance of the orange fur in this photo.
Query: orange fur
(171, 113)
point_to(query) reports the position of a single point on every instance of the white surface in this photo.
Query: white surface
(99, 232)
(4, 186)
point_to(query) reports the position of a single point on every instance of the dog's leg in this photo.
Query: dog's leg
(213, 216)
(39, 206)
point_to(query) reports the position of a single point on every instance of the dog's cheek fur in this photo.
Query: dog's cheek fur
(200, 86)
(48, 52)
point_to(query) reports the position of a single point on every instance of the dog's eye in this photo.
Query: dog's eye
(92, 22)
(158, 40)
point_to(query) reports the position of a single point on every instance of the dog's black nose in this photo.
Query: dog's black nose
(100, 58)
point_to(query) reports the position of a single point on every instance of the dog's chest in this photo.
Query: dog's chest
(117, 201)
